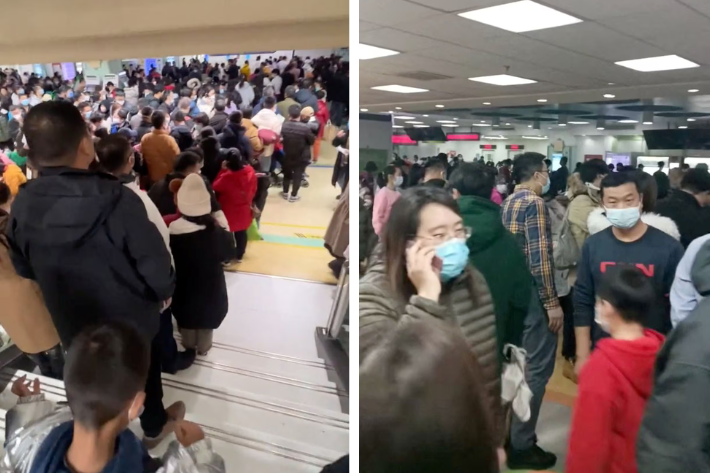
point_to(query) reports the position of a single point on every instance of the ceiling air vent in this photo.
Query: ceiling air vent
(423, 75)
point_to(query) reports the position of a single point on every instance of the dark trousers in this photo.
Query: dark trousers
(154, 417)
(50, 362)
(293, 173)
(240, 238)
(169, 350)
(337, 111)
(569, 345)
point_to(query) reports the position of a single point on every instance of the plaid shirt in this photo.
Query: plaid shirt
(525, 216)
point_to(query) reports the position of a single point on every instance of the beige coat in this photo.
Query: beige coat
(23, 314)
(579, 209)
(253, 134)
(472, 313)
(337, 236)
(159, 150)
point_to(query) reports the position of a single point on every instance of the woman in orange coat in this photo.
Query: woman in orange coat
(235, 187)
(12, 175)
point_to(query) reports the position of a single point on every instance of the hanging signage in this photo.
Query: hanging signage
(402, 140)
(515, 147)
(463, 137)
(489, 146)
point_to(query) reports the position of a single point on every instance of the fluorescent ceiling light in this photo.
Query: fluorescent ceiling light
(529, 126)
(542, 100)
(507, 124)
(363, 110)
(439, 106)
(535, 137)
(421, 126)
(455, 118)
(660, 63)
(578, 123)
(494, 137)
(425, 115)
(502, 79)
(452, 126)
(365, 51)
(485, 103)
(600, 128)
(399, 89)
(648, 123)
(692, 91)
(683, 127)
(398, 108)
(445, 121)
(481, 124)
(628, 121)
(609, 96)
(397, 126)
(404, 118)
(563, 124)
(415, 123)
(691, 119)
(522, 16)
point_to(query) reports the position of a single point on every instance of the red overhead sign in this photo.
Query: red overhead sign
(463, 137)
(402, 140)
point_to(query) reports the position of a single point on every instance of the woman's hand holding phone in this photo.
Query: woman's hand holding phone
(422, 271)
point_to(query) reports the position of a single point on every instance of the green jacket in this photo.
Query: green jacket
(495, 254)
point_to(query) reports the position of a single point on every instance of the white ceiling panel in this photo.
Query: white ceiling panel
(454, 29)
(680, 20)
(702, 6)
(365, 26)
(597, 41)
(397, 40)
(597, 9)
(460, 5)
(393, 12)
(477, 60)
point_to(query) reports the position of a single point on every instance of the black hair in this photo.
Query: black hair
(235, 117)
(101, 133)
(548, 162)
(113, 152)
(371, 166)
(247, 113)
(473, 179)
(564, 160)
(269, 102)
(435, 165)
(629, 291)
(185, 160)
(294, 111)
(696, 181)
(320, 94)
(234, 159)
(202, 118)
(616, 179)
(220, 105)
(106, 366)
(178, 116)
(382, 176)
(147, 112)
(661, 164)
(54, 130)
(207, 131)
(158, 120)
(526, 165)
(5, 194)
(592, 169)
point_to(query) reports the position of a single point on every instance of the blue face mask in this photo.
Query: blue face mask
(87, 115)
(454, 255)
(25, 102)
(70, 94)
(546, 187)
(623, 218)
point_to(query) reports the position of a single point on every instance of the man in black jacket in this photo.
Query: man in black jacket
(234, 136)
(87, 242)
(673, 436)
(297, 140)
(220, 118)
(181, 132)
(685, 206)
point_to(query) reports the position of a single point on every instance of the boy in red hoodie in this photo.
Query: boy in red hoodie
(617, 380)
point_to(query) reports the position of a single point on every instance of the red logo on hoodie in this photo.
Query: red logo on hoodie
(649, 270)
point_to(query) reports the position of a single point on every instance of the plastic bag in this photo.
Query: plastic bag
(253, 232)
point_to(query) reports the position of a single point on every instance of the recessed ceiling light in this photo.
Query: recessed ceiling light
(455, 118)
(481, 124)
(578, 123)
(692, 91)
(421, 126)
(365, 51)
(425, 115)
(507, 124)
(452, 126)
(439, 106)
(691, 119)
(628, 121)
(563, 124)
(445, 121)
(486, 103)
(542, 100)
(404, 118)
(521, 16)
(414, 123)
(529, 126)
(398, 108)
(660, 63)
(363, 110)
(610, 83)
(535, 137)
(399, 89)
(683, 127)
(397, 126)
(609, 96)
(648, 123)
(502, 79)
(600, 128)
(391, 111)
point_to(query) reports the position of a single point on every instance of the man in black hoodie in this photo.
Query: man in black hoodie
(220, 118)
(234, 135)
(181, 132)
(88, 243)
(297, 141)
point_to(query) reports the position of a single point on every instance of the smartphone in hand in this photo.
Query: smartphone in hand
(436, 262)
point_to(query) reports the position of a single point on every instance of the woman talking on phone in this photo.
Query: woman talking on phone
(421, 271)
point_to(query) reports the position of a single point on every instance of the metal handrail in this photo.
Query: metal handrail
(340, 302)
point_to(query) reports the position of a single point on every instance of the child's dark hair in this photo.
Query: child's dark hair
(382, 176)
(234, 159)
(629, 291)
(113, 152)
(5, 193)
(106, 366)
(185, 160)
(320, 95)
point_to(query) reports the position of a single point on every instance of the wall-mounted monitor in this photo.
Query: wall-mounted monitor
(426, 134)
(488, 147)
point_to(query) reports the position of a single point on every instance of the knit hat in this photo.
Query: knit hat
(193, 199)
(307, 112)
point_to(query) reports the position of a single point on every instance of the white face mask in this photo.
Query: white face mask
(502, 188)
(592, 186)
(597, 318)
(398, 181)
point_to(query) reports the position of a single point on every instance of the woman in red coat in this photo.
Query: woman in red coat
(235, 187)
(322, 115)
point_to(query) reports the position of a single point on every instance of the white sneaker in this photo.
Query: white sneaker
(293, 199)
(284, 195)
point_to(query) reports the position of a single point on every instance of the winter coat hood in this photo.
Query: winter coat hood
(597, 222)
(484, 215)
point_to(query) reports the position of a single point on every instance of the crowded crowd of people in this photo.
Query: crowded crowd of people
(466, 263)
(140, 194)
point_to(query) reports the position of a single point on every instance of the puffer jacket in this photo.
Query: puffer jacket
(597, 222)
(584, 201)
(253, 134)
(34, 420)
(465, 302)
